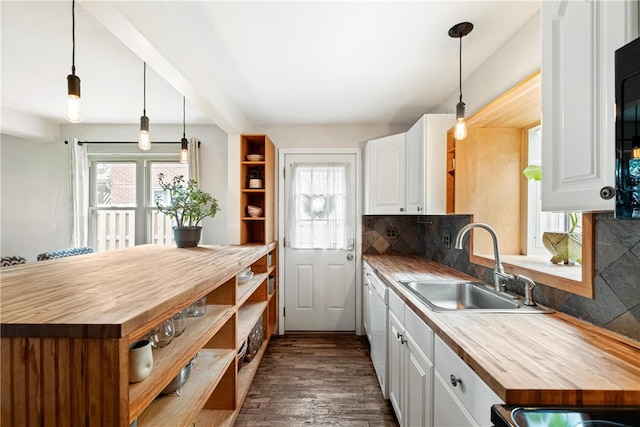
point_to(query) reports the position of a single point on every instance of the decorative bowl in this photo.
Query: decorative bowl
(566, 248)
(255, 157)
(254, 211)
(243, 277)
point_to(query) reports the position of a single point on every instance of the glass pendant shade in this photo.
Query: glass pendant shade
(184, 151)
(460, 131)
(144, 140)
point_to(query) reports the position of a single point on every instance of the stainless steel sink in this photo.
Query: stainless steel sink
(465, 296)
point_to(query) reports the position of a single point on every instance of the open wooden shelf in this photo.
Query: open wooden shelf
(248, 315)
(168, 361)
(175, 410)
(246, 373)
(245, 290)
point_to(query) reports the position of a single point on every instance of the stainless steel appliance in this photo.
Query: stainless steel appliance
(627, 87)
(566, 416)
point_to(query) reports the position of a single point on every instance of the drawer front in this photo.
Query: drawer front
(472, 392)
(396, 305)
(419, 331)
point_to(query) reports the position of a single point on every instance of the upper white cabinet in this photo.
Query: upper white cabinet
(384, 183)
(406, 173)
(426, 164)
(579, 39)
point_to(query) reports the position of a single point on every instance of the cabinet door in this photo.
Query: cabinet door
(447, 409)
(396, 366)
(418, 385)
(415, 198)
(385, 175)
(578, 44)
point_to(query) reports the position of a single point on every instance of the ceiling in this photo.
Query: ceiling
(243, 64)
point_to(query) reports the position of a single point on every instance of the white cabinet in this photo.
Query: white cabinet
(405, 174)
(426, 160)
(578, 43)
(410, 367)
(461, 398)
(384, 183)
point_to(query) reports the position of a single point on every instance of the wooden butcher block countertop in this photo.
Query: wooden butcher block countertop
(526, 359)
(112, 294)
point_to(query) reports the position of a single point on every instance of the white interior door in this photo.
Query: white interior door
(320, 242)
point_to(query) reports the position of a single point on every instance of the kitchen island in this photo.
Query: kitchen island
(526, 359)
(67, 325)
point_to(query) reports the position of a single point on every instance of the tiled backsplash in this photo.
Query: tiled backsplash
(616, 305)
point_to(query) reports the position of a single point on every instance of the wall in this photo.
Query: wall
(616, 305)
(36, 202)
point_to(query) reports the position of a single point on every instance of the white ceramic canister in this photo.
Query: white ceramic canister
(140, 360)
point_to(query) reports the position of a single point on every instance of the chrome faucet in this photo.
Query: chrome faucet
(499, 276)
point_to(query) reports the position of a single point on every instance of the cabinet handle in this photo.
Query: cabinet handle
(401, 209)
(455, 380)
(400, 338)
(419, 208)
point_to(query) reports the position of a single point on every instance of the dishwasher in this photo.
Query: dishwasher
(379, 324)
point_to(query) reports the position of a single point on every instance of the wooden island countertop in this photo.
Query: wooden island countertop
(526, 359)
(113, 294)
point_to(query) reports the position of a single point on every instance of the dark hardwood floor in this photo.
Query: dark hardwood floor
(315, 380)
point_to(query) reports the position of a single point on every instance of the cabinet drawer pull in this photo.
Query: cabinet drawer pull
(455, 380)
(400, 338)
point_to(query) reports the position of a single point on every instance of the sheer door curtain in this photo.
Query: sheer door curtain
(318, 216)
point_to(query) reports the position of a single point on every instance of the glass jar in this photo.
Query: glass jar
(180, 322)
(199, 308)
(161, 335)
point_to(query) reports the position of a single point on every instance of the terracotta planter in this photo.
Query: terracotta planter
(187, 237)
(565, 247)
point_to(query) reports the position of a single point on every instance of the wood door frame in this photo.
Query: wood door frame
(282, 152)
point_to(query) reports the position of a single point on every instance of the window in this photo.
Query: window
(538, 221)
(122, 209)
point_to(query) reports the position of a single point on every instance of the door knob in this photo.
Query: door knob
(607, 192)
(349, 257)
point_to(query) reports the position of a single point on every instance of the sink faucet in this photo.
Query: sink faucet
(499, 276)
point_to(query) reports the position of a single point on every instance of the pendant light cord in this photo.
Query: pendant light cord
(184, 126)
(73, 37)
(460, 70)
(144, 90)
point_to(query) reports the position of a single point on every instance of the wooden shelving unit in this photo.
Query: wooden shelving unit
(257, 229)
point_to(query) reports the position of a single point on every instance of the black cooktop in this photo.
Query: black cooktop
(566, 416)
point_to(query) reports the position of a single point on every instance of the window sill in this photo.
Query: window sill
(539, 269)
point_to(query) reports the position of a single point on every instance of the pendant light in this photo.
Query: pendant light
(144, 141)
(459, 31)
(184, 149)
(635, 140)
(72, 108)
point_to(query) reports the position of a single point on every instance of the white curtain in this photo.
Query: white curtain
(80, 193)
(318, 216)
(194, 160)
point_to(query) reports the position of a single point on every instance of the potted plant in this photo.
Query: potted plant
(188, 204)
(564, 246)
